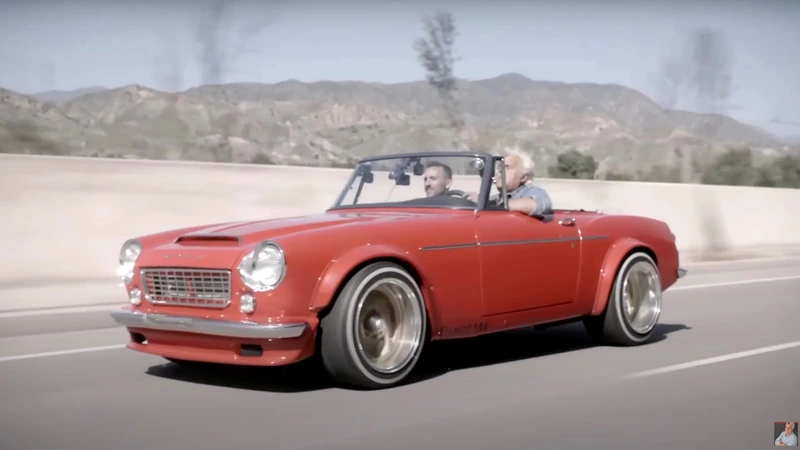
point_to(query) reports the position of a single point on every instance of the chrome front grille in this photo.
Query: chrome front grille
(205, 288)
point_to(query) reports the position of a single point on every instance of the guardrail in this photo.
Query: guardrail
(65, 217)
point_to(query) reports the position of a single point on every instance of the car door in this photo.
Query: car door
(526, 262)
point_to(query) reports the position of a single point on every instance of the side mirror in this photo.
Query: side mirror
(477, 164)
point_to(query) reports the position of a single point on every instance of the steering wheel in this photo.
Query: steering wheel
(457, 193)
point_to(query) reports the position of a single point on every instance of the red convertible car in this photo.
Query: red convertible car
(392, 265)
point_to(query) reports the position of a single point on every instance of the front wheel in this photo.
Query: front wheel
(376, 331)
(634, 304)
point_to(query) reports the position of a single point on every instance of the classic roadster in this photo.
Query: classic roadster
(390, 267)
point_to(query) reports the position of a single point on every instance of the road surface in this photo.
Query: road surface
(724, 367)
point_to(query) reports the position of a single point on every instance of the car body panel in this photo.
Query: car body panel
(479, 271)
(526, 263)
(221, 349)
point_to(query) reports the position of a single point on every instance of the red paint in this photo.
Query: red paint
(471, 290)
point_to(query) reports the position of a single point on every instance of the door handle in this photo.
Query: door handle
(568, 222)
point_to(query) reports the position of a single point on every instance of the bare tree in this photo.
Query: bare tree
(436, 54)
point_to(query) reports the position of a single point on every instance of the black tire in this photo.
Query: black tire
(339, 349)
(612, 327)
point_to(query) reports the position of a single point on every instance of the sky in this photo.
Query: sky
(70, 44)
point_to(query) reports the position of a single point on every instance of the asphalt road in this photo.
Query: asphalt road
(547, 389)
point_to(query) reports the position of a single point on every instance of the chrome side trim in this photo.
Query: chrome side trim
(681, 272)
(503, 243)
(248, 330)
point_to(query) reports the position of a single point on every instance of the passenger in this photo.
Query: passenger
(438, 178)
(523, 195)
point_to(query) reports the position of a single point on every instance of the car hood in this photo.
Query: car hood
(222, 245)
(253, 232)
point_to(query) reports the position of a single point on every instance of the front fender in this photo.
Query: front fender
(608, 271)
(341, 266)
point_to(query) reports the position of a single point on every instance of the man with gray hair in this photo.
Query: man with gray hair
(523, 195)
(787, 438)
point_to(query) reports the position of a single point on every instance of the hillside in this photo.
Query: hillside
(60, 97)
(334, 123)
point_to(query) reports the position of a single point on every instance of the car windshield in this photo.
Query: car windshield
(416, 181)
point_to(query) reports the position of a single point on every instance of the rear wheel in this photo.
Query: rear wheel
(376, 331)
(634, 304)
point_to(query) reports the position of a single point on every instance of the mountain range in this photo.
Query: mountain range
(334, 123)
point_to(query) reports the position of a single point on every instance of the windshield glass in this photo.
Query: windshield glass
(434, 181)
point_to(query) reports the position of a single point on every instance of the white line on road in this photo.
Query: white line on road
(59, 353)
(707, 361)
(741, 261)
(732, 283)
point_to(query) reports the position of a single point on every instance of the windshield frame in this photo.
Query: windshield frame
(487, 180)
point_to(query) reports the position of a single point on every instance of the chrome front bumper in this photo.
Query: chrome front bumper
(681, 272)
(247, 330)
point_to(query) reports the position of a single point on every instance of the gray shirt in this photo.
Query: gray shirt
(543, 203)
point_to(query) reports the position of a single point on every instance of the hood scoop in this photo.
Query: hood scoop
(216, 240)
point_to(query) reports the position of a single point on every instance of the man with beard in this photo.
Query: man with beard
(438, 178)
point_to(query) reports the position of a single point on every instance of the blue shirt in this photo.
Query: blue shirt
(790, 440)
(543, 203)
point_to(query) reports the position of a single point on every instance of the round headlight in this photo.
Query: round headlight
(127, 260)
(263, 268)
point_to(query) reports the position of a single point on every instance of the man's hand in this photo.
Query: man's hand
(525, 205)
(472, 196)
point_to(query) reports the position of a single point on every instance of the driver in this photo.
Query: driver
(523, 195)
(438, 178)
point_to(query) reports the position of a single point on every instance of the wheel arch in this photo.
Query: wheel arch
(341, 270)
(615, 257)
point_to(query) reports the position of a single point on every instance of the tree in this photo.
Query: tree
(782, 172)
(733, 168)
(661, 173)
(573, 164)
(435, 52)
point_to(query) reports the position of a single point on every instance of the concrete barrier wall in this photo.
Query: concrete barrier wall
(65, 218)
